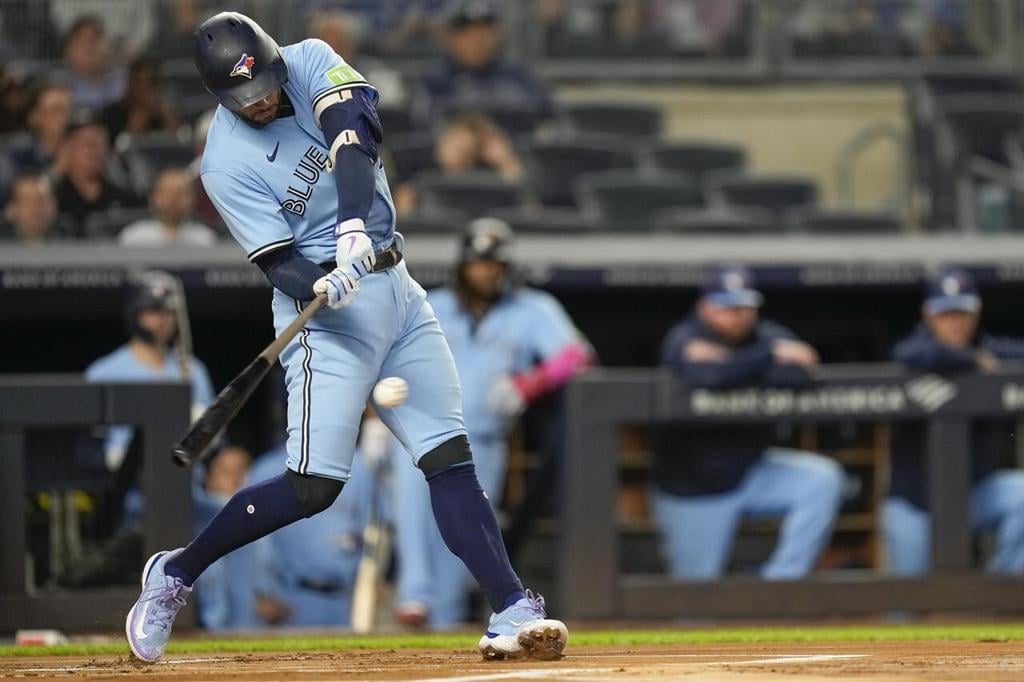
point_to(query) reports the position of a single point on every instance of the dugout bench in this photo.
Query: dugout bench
(160, 413)
(603, 401)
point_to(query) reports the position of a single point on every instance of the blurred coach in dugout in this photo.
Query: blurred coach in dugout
(708, 478)
(948, 341)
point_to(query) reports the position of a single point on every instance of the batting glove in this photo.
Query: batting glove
(355, 250)
(505, 397)
(340, 286)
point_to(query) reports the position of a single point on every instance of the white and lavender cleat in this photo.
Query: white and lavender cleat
(523, 630)
(149, 621)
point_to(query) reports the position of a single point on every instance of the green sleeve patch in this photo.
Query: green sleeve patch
(343, 74)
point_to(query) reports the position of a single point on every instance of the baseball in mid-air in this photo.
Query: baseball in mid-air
(390, 392)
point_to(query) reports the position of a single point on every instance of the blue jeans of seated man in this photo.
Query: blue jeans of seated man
(427, 572)
(804, 488)
(997, 502)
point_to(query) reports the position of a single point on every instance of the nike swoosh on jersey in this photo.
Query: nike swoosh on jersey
(273, 155)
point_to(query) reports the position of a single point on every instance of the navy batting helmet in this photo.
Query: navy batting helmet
(238, 62)
(151, 291)
(487, 239)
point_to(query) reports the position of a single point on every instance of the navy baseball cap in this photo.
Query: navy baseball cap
(732, 287)
(951, 290)
(466, 12)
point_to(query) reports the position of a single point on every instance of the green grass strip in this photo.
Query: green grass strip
(1001, 632)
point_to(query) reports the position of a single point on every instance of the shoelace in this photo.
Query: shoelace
(536, 602)
(167, 602)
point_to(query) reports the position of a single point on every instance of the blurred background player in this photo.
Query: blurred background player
(511, 345)
(225, 594)
(948, 341)
(305, 572)
(153, 353)
(707, 480)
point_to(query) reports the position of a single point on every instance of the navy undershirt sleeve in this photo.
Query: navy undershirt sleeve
(290, 272)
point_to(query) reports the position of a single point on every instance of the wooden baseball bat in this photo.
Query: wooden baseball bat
(194, 446)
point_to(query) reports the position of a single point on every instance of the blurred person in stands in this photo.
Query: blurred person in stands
(143, 108)
(305, 573)
(94, 78)
(470, 142)
(129, 26)
(707, 479)
(31, 210)
(512, 345)
(15, 98)
(172, 202)
(86, 185)
(948, 341)
(226, 596)
(38, 151)
(475, 75)
(344, 32)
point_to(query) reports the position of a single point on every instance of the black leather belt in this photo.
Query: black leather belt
(388, 258)
(321, 586)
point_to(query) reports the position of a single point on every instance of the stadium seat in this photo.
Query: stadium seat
(471, 193)
(776, 193)
(981, 123)
(539, 220)
(697, 158)
(514, 121)
(395, 120)
(614, 118)
(844, 222)
(147, 154)
(556, 163)
(716, 222)
(627, 200)
(107, 224)
(410, 153)
(431, 221)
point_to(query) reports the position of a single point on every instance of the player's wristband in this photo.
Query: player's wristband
(350, 225)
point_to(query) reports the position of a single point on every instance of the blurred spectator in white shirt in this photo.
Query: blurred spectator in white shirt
(94, 78)
(172, 202)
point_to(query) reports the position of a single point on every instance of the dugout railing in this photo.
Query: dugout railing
(41, 403)
(601, 403)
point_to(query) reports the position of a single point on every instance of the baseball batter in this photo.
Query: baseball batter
(291, 163)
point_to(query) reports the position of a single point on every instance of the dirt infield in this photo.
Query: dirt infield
(875, 662)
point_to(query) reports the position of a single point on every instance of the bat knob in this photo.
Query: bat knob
(180, 457)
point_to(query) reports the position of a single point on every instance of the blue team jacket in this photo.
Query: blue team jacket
(991, 440)
(692, 460)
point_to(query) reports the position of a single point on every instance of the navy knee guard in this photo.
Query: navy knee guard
(315, 493)
(449, 453)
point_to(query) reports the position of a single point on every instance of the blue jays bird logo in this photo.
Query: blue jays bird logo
(244, 67)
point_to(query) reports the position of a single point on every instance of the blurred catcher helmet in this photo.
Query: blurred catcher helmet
(238, 62)
(487, 239)
(150, 291)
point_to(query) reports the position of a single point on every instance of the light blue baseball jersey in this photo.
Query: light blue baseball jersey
(272, 184)
(122, 366)
(526, 326)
